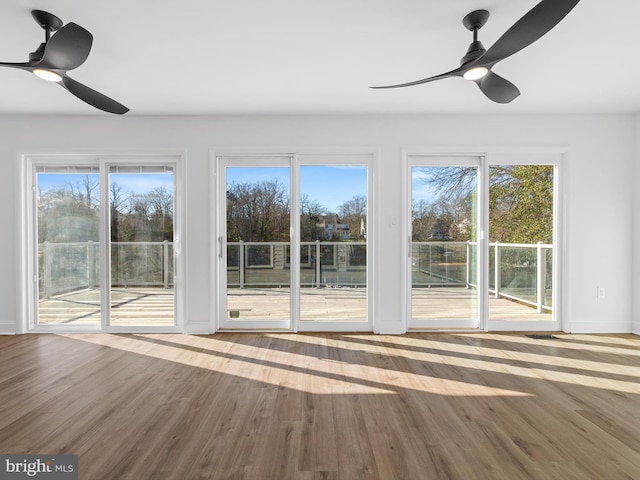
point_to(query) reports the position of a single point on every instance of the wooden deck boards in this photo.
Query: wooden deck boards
(155, 306)
(134, 306)
(331, 406)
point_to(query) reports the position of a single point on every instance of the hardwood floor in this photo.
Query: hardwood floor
(326, 406)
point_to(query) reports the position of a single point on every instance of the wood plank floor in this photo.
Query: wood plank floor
(326, 406)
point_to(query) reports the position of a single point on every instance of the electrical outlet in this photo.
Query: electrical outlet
(601, 293)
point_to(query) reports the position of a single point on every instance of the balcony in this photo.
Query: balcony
(258, 280)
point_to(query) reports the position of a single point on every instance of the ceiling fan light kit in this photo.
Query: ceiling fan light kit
(478, 62)
(48, 75)
(475, 73)
(65, 47)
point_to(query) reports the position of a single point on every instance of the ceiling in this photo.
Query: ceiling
(220, 57)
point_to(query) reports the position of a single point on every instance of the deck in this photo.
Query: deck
(155, 306)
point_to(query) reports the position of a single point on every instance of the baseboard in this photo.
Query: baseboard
(635, 328)
(599, 327)
(389, 330)
(8, 328)
(197, 328)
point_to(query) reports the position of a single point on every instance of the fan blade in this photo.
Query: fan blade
(67, 49)
(453, 73)
(533, 25)
(23, 66)
(93, 98)
(497, 88)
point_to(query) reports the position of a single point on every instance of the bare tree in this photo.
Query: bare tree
(258, 212)
(311, 212)
(354, 213)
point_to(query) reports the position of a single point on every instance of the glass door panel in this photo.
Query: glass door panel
(68, 253)
(142, 245)
(444, 248)
(256, 253)
(521, 250)
(333, 244)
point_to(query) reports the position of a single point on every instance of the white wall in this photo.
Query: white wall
(598, 194)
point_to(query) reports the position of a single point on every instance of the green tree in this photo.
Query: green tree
(521, 203)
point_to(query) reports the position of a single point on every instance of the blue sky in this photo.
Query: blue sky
(329, 185)
(139, 183)
(420, 190)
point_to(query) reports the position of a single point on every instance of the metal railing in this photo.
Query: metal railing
(67, 267)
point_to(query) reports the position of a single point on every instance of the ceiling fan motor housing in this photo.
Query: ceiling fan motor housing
(38, 54)
(475, 51)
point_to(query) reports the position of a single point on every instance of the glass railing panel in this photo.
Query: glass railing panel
(335, 287)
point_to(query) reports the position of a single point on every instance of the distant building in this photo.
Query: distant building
(440, 231)
(331, 229)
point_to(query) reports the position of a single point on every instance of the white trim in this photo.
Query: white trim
(215, 242)
(405, 240)
(335, 326)
(294, 242)
(197, 328)
(483, 243)
(599, 327)
(8, 328)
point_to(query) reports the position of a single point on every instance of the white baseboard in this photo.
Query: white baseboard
(600, 327)
(389, 330)
(635, 328)
(8, 328)
(197, 328)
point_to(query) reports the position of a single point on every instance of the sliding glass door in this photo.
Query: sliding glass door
(483, 242)
(522, 242)
(141, 235)
(293, 241)
(255, 245)
(444, 242)
(68, 258)
(104, 236)
(334, 243)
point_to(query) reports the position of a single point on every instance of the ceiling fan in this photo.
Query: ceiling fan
(476, 65)
(65, 48)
